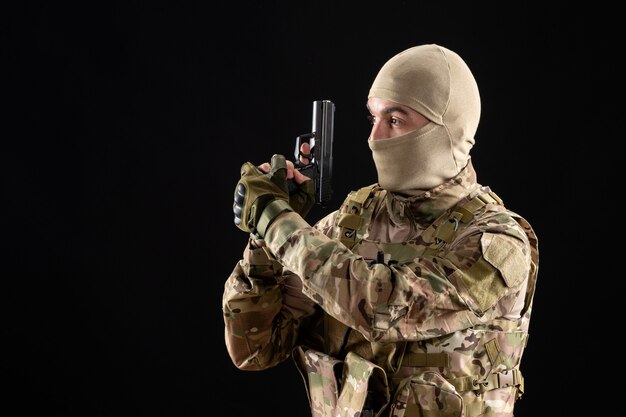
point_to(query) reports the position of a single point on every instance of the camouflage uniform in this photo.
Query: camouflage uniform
(425, 302)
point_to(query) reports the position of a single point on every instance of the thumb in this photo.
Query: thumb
(248, 169)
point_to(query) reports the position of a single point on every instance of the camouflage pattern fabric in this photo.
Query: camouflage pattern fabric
(436, 293)
(359, 378)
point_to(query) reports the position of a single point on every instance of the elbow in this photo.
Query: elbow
(244, 361)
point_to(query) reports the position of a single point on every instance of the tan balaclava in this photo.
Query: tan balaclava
(437, 83)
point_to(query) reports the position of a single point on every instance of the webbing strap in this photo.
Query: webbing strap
(447, 229)
(273, 209)
(496, 356)
(448, 224)
(510, 378)
(351, 221)
(436, 359)
(482, 199)
(416, 410)
(475, 408)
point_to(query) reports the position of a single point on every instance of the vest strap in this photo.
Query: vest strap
(415, 410)
(350, 222)
(475, 408)
(436, 359)
(510, 378)
(448, 224)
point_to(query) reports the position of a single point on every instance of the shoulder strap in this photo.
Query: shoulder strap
(446, 226)
(351, 217)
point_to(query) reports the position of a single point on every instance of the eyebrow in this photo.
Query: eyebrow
(388, 110)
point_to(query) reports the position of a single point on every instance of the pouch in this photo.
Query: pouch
(338, 388)
(426, 395)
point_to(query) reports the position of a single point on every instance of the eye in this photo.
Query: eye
(392, 121)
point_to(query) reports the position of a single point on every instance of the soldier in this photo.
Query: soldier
(423, 281)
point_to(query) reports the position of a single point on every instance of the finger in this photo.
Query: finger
(278, 172)
(304, 198)
(290, 170)
(299, 177)
(248, 168)
(305, 148)
(265, 167)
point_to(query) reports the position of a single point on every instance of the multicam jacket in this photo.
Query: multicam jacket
(425, 302)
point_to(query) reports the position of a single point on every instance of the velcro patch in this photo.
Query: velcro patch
(484, 284)
(506, 257)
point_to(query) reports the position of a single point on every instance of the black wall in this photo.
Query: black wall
(127, 125)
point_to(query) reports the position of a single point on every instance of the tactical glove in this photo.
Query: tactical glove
(260, 197)
(303, 197)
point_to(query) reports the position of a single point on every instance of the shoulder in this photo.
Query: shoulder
(494, 253)
(494, 217)
(362, 198)
(356, 202)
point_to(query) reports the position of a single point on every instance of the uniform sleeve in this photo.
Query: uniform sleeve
(265, 311)
(481, 275)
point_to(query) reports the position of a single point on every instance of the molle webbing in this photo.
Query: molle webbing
(447, 225)
(498, 357)
(509, 378)
(415, 410)
(351, 221)
(437, 359)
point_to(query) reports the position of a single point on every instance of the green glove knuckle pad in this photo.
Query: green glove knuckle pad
(256, 190)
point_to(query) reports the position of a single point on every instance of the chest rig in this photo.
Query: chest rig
(352, 229)
(359, 206)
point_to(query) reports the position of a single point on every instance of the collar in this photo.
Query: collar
(426, 206)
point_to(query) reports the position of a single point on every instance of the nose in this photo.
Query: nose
(378, 131)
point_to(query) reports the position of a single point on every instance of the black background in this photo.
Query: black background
(127, 125)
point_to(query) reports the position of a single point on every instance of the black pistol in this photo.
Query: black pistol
(320, 140)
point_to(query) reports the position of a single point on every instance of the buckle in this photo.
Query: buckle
(506, 379)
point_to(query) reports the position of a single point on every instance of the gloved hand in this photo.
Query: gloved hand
(302, 190)
(302, 198)
(260, 197)
(300, 187)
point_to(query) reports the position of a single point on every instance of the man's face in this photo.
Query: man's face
(390, 119)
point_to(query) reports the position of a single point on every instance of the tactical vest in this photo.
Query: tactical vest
(451, 375)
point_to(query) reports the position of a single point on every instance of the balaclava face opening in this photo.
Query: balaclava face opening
(437, 83)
